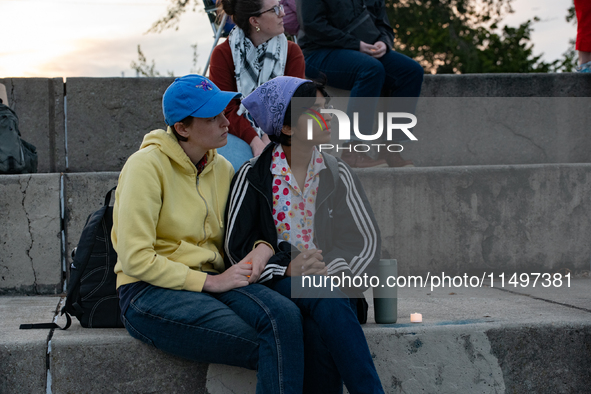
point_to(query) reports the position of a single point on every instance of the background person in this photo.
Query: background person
(255, 52)
(175, 293)
(312, 209)
(351, 43)
(583, 45)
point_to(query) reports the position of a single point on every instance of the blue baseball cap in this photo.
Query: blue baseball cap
(194, 95)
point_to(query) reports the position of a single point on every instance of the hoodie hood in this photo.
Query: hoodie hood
(168, 144)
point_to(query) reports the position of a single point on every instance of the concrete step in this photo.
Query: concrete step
(474, 219)
(472, 340)
(73, 124)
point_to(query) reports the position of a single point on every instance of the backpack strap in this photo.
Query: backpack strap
(47, 325)
(108, 196)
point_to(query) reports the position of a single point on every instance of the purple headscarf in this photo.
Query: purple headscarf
(268, 103)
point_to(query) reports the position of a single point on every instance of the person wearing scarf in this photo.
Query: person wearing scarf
(255, 52)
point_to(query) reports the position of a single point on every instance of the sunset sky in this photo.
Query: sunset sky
(99, 38)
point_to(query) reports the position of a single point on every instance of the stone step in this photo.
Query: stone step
(473, 219)
(95, 124)
(472, 340)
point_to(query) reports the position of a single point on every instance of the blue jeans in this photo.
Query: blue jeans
(335, 347)
(251, 327)
(365, 76)
(236, 151)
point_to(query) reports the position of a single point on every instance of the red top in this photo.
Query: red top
(221, 72)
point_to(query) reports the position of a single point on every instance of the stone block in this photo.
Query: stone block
(114, 362)
(108, 118)
(23, 353)
(544, 359)
(459, 220)
(500, 131)
(39, 105)
(507, 85)
(30, 235)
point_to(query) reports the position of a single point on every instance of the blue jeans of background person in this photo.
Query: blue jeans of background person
(335, 347)
(251, 327)
(365, 77)
(236, 151)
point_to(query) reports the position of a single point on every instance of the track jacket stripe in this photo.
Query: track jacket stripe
(361, 218)
(236, 198)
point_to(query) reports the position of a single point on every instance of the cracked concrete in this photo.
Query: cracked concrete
(31, 252)
(29, 246)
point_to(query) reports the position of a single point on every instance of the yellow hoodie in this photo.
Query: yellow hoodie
(168, 224)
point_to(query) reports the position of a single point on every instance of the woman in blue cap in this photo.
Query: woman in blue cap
(175, 292)
(311, 208)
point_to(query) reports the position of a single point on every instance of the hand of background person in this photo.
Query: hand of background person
(259, 258)
(381, 49)
(366, 48)
(307, 263)
(232, 278)
(258, 145)
(265, 139)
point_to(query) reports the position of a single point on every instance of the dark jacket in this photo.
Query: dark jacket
(345, 228)
(323, 23)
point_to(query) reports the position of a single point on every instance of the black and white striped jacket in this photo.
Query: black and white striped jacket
(345, 228)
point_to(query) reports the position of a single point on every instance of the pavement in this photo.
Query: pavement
(472, 340)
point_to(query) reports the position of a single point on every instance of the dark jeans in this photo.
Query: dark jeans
(365, 77)
(335, 347)
(251, 327)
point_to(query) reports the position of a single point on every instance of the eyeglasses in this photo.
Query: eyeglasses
(277, 8)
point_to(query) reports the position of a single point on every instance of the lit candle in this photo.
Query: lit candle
(416, 318)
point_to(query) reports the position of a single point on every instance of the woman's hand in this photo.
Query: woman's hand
(232, 278)
(366, 48)
(307, 263)
(380, 49)
(376, 50)
(258, 258)
(257, 145)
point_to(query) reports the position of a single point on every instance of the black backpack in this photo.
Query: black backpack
(17, 156)
(92, 295)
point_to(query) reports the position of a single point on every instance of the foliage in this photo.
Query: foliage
(143, 68)
(463, 36)
(175, 10)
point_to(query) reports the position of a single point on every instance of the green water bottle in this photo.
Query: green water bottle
(385, 298)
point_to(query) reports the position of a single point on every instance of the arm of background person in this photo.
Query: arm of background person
(378, 9)
(221, 73)
(314, 22)
(295, 65)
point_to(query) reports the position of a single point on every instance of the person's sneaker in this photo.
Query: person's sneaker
(394, 159)
(584, 68)
(362, 160)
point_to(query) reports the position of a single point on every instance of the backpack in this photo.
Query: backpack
(17, 156)
(92, 295)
